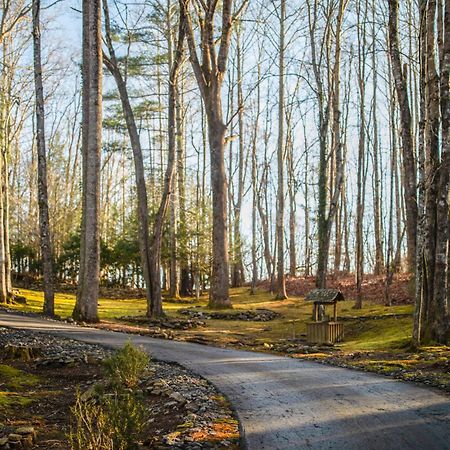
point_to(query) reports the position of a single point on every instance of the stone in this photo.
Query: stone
(88, 394)
(13, 437)
(178, 397)
(3, 441)
(26, 431)
(27, 441)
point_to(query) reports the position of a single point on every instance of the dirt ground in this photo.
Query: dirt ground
(51, 397)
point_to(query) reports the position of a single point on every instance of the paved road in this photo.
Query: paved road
(283, 403)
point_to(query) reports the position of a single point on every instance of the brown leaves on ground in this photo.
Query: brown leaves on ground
(373, 287)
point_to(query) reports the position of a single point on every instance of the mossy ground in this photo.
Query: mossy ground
(15, 387)
(379, 335)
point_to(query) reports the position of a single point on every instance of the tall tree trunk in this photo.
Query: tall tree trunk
(441, 317)
(281, 282)
(238, 277)
(44, 225)
(377, 212)
(362, 18)
(419, 275)
(409, 164)
(254, 180)
(86, 307)
(436, 178)
(219, 297)
(174, 286)
(185, 281)
(326, 218)
(155, 308)
(209, 75)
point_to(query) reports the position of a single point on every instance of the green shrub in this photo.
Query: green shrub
(127, 417)
(127, 365)
(114, 415)
(112, 422)
(90, 428)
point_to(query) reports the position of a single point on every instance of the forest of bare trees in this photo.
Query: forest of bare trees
(197, 145)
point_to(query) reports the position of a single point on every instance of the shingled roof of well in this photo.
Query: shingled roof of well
(324, 296)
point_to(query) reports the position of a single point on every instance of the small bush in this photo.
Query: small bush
(112, 422)
(90, 429)
(114, 416)
(126, 366)
(126, 419)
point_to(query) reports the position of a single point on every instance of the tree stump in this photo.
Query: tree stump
(22, 352)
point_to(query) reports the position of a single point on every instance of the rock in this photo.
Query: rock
(192, 407)
(88, 394)
(256, 315)
(27, 441)
(3, 441)
(14, 437)
(26, 431)
(171, 438)
(178, 398)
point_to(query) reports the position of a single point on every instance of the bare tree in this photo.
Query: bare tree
(409, 164)
(280, 293)
(44, 225)
(86, 307)
(209, 73)
(327, 105)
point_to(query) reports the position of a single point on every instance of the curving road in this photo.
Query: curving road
(284, 403)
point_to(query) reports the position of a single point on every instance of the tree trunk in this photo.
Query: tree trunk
(326, 220)
(209, 75)
(219, 297)
(281, 282)
(141, 188)
(409, 164)
(44, 225)
(86, 307)
(441, 319)
(238, 277)
(377, 211)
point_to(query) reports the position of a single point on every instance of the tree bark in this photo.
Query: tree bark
(281, 282)
(86, 307)
(409, 164)
(209, 75)
(44, 222)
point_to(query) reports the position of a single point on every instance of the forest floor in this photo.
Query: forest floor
(182, 409)
(377, 337)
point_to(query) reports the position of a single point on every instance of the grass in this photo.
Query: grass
(14, 386)
(385, 333)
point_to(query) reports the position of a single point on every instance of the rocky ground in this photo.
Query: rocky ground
(43, 373)
(255, 315)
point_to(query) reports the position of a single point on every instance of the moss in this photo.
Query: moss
(13, 378)
(16, 384)
(11, 399)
